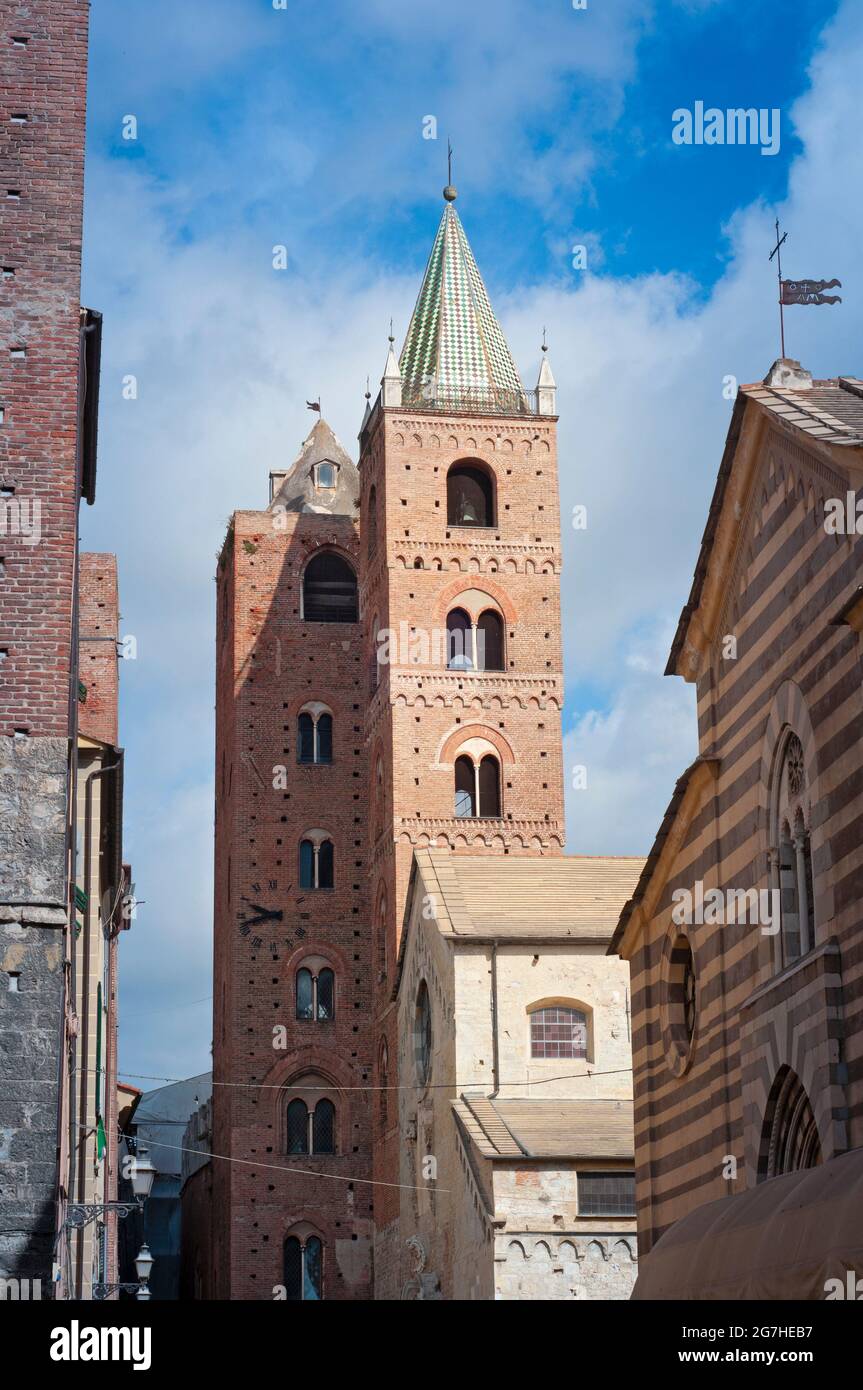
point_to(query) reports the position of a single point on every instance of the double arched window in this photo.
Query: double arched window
(557, 1030)
(477, 786)
(304, 1268)
(790, 850)
(469, 495)
(315, 734)
(474, 646)
(316, 992)
(317, 866)
(311, 1129)
(330, 590)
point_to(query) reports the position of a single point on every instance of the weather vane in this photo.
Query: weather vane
(799, 291)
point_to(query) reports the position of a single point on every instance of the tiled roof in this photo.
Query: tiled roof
(529, 1127)
(572, 896)
(828, 410)
(831, 411)
(454, 338)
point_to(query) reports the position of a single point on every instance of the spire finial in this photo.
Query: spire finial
(368, 392)
(392, 339)
(449, 192)
(544, 341)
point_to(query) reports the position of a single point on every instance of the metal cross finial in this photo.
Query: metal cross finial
(776, 252)
(448, 162)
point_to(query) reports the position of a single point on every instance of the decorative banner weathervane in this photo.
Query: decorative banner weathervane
(800, 291)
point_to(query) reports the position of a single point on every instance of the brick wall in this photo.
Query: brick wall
(269, 663)
(41, 186)
(98, 629)
(43, 73)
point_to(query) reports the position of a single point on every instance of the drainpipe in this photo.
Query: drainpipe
(495, 1053)
(77, 1133)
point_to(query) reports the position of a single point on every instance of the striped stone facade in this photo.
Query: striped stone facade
(748, 1035)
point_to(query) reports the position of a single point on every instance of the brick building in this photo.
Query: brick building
(49, 373)
(745, 934)
(388, 678)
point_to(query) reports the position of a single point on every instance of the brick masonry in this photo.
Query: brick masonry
(43, 73)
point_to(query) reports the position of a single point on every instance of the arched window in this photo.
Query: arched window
(469, 496)
(789, 1140)
(372, 520)
(382, 936)
(465, 788)
(326, 475)
(316, 861)
(315, 734)
(791, 852)
(489, 786)
(423, 1034)
(489, 641)
(558, 1031)
(459, 636)
(298, 1127)
(329, 590)
(310, 1129)
(477, 787)
(383, 1082)
(303, 1269)
(316, 994)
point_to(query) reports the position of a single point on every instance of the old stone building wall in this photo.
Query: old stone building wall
(43, 70)
(765, 1074)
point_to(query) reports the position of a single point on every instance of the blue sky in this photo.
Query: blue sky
(304, 127)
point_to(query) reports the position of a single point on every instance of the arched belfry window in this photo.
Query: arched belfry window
(791, 851)
(477, 785)
(303, 1267)
(789, 1140)
(489, 641)
(474, 646)
(315, 734)
(329, 590)
(469, 496)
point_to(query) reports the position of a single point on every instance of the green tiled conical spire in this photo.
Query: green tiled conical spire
(455, 354)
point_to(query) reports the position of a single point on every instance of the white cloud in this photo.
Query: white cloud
(227, 351)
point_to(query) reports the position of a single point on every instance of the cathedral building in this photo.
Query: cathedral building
(745, 935)
(389, 684)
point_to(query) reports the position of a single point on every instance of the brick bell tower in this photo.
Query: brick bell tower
(460, 595)
(292, 951)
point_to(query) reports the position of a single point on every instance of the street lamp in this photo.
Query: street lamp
(143, 1174)
(144, 1263)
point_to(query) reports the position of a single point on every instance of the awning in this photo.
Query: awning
(782, 1240)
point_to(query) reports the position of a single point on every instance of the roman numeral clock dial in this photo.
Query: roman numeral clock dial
(259, 923)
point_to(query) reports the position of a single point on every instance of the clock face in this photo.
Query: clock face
(261, 923)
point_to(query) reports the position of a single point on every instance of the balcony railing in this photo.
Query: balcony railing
(470, 400)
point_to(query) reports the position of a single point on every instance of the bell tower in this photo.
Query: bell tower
(460, 596)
